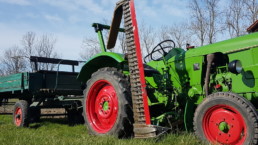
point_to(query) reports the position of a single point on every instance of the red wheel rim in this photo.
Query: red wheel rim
(225, 125)
(102, 106)
(18, 116)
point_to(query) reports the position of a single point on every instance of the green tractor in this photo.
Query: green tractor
(211, 90)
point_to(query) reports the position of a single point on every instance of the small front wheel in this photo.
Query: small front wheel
(20, 114)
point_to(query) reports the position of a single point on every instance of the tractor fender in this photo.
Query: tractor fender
(104, 59)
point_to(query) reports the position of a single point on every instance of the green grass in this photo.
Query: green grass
(58, 132)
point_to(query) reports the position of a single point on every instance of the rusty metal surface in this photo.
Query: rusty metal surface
(114, 29)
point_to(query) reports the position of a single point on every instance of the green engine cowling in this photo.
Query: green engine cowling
(181, 83)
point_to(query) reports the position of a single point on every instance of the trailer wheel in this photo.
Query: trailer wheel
(226, 118)
(107, 104)
(20, 114)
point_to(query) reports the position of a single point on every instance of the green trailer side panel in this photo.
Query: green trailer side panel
(15, 82)
(63, 82)
(36, 81)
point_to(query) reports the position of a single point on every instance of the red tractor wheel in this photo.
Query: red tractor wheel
(226, 118)
(20, 114)
(107, 106)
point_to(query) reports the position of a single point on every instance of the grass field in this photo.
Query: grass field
(58, 132)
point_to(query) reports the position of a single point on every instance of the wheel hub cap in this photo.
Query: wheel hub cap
(225, 125)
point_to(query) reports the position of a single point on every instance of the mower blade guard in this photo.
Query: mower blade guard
(142, 123)
(115, 25)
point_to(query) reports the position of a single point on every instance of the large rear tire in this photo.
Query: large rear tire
(226, 118)
(107, 105)
(20, 114)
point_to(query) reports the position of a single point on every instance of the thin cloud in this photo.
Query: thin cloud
(81, 5)
(16, 2)
(53, 18)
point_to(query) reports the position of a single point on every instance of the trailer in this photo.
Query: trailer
(43, 89)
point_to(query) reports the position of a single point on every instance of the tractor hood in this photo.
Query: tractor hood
(227, 46)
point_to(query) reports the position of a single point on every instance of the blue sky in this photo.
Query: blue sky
(70, 20)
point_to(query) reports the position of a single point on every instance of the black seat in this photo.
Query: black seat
(149, 71)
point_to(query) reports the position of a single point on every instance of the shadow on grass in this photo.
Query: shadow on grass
(6, 113)
(47, 121)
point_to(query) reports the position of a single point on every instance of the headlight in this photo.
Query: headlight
(235, 66)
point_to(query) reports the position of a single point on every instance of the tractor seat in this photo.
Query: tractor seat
(149, 71)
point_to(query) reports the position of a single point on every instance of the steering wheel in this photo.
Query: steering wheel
(160, 50)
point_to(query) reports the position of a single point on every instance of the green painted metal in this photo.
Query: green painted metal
(104, 59)
(237, 44)
(178, 88)
(105, 106)
(99, 28)
(224, 127)
(101, 41)
(15, 82)
(26, 85)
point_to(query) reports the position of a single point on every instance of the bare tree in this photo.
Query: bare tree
(90, 48)
(28, 43)
(235, 18)
(91, 45)
(45, 48)
(39, 46)
(252, 10)
(1, 71)
(147, 38)
(122, 44)
(213, 12)
(199, 22)
(178, 33)
(205, 22)
(13, 61)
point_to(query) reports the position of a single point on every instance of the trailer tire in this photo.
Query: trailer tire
(226, 118)
(107, 107)
(20, 114)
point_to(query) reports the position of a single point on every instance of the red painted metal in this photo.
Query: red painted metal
(217, 86)
(215, 115)
(18, 116)
(140, 64)
(100, 118)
